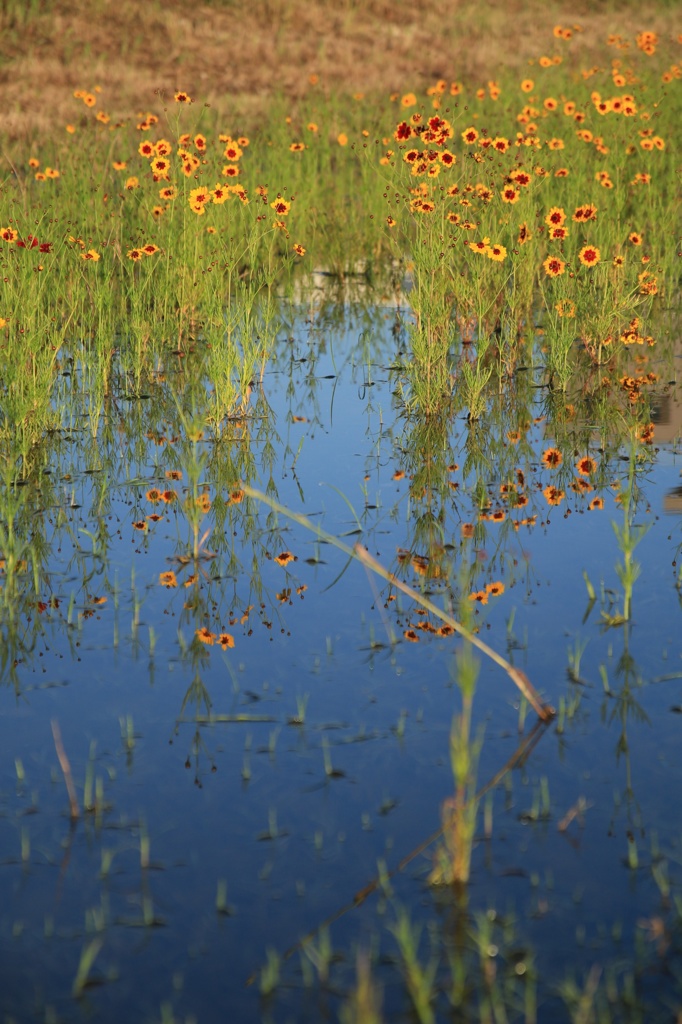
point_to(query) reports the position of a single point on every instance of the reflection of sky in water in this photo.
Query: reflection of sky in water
(380, 715)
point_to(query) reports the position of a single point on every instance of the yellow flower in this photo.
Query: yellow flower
(554, 267)
(553, 495)
(232, 152)
(200, 196)
(589, 255)
(586, 466)
(496, 252)
(556, 217)
(189, 165)
(552, 458)
(510, 194)
(160, 167)
(220, 194)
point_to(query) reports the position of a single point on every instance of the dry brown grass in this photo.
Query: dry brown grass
(236, 54)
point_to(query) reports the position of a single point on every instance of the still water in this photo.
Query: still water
(232, 798)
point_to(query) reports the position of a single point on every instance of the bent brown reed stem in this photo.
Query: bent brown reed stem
(66, 770)
(545, 712)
